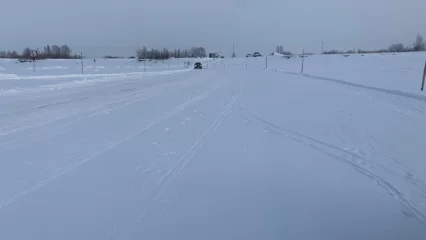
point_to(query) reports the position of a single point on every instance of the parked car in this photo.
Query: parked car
(256, 54)
(213, 55)
(198, 65)
(249, 55)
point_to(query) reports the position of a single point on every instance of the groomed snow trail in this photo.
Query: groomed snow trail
(222, 153)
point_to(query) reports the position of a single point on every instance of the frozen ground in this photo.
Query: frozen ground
(230, 152)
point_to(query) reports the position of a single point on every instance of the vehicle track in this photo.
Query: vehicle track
(342, 156)
(166, 178)
(133, 97)
(77, 163)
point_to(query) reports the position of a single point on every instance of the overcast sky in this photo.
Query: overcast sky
(100, 27)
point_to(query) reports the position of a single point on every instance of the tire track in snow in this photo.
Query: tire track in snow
(168, 177)
(99, 108)
(120, 103)
(357, 85)
(23, 128)
(330, 151)
(102, 150)
(128, 91)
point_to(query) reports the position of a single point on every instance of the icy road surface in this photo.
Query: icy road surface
(222, 153)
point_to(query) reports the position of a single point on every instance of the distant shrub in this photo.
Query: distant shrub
(280, 50)
(54, 51)
(196, 52)
(419, 44)
(397, 47)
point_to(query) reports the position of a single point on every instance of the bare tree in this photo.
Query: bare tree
(143, 53)
(419, 44)
(185, 53)
(47, 51)
(165, 54)
(65, 51)
(56, 51)
(397, 47)
(26, 53)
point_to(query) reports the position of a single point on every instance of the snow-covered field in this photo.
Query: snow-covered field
(235, 151)
(61, 73)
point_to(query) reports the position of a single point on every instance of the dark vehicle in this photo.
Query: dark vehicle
(249, 55)
(213, 55)
(256, 54)
(198, 65)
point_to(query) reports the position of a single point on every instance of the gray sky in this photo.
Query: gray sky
(100, 27)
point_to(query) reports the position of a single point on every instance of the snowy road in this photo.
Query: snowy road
(222, 153)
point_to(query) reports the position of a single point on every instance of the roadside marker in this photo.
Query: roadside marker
(424, 75)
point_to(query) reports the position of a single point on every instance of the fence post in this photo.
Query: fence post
(34, 56)
(266, 57)
(81, 58)
(424, 76)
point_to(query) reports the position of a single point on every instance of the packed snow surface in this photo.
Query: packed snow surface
(238, 150)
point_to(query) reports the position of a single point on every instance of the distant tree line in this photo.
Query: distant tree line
(417, 46)
(54, 52)
(280, 50)
(194, 52)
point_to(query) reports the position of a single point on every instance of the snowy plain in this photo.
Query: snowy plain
(233, 151)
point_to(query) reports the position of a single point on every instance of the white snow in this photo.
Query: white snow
(235, 151)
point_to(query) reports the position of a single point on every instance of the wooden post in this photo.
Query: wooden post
(81, 58)
(34, 56)
(424, 76)
(303, 61)
(266, 57)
